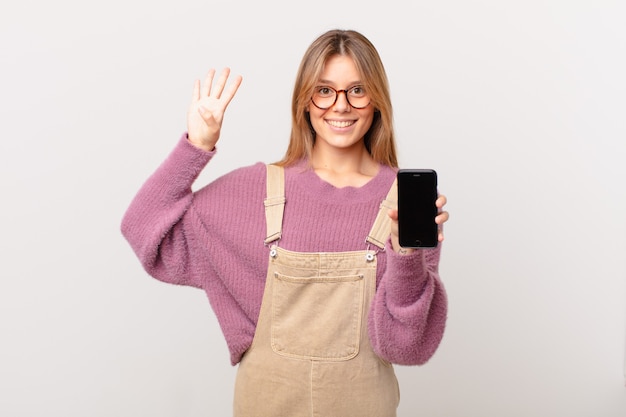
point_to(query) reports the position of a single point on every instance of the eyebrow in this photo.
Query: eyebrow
(352, 84)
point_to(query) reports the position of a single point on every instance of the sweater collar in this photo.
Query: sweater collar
(302, 176)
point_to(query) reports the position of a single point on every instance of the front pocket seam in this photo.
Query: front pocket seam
(293, 341)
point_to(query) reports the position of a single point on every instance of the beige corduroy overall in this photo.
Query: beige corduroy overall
(311, 355)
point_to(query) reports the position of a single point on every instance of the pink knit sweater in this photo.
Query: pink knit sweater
(213, 239)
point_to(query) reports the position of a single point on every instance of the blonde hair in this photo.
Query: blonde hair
(380, 138)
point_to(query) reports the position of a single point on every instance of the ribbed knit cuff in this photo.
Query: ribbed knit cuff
(408, 275)
(184, 164)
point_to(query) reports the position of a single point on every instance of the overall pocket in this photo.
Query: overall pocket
(317, 318)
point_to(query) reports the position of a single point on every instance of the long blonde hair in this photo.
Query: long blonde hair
(380, 138)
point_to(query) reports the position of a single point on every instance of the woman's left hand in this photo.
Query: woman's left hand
(441, 218)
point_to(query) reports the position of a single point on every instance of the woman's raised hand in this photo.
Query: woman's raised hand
(206, 111)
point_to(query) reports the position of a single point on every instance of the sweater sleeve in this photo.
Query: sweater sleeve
(408, 314)
(153, 224)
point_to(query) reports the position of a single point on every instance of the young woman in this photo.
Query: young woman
(300, 259)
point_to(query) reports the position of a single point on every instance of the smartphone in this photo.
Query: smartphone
(417, 193)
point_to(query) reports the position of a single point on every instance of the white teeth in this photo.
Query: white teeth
(337, 123)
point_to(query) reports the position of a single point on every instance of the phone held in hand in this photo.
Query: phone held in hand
(417, 193)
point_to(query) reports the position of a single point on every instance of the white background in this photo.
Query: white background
(519, 105)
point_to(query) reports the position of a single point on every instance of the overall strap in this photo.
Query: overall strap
(382, 225)
(274, 202)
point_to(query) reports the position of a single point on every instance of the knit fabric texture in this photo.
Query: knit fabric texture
(213, 238)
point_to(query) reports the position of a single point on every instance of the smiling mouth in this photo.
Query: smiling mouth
(340, 123)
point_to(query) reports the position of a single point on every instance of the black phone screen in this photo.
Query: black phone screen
(417, 193)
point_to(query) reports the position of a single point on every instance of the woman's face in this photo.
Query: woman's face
(340, 125)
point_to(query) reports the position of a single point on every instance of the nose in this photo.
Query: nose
(342, 102)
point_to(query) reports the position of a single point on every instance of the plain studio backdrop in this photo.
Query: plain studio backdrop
(519, 105)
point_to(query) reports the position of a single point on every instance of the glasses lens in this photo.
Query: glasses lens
(357, 97)
(326, 97)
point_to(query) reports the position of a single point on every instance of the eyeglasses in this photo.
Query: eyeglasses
(325, 97)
